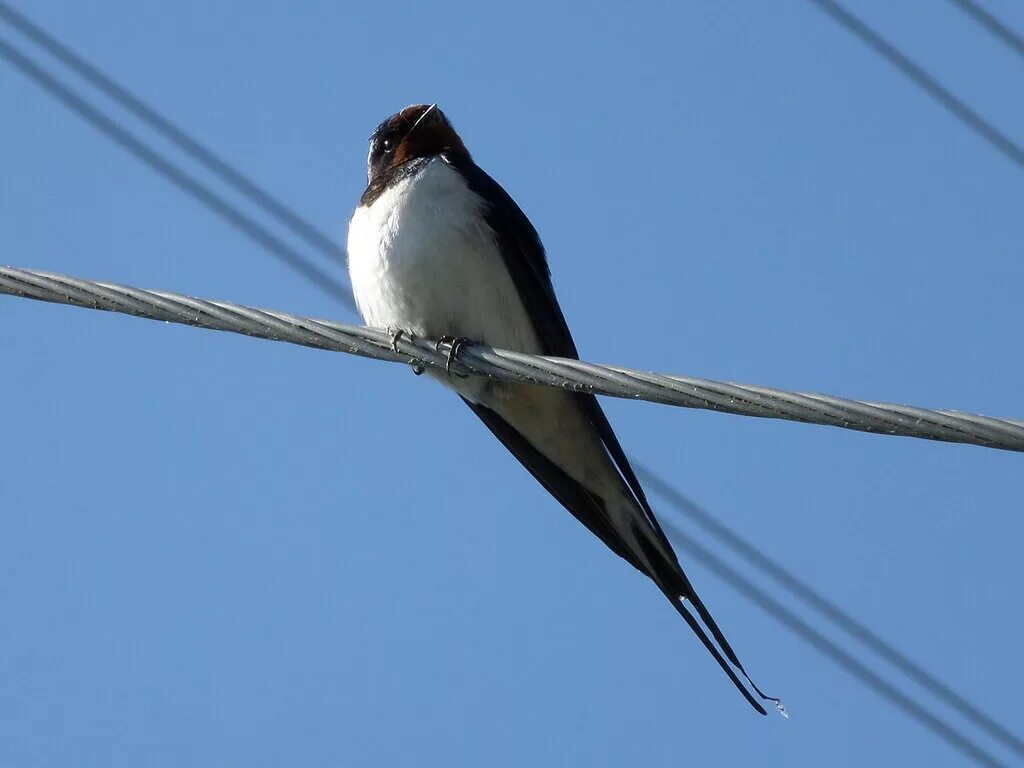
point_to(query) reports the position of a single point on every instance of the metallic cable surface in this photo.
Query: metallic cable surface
(574, 375)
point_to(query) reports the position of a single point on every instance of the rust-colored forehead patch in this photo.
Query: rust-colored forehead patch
(414, 112)
(423, 130)
(418, 131)
(399, 124)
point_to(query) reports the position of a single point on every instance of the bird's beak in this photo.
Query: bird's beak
(431, 110)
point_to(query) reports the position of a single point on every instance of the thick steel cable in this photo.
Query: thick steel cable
(574, 375)
(187, 143)
(821, 605)
(830, 649)
(992, 24)
(176, 175)
(926, 82)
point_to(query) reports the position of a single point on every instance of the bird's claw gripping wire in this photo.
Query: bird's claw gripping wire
(396, 336)
(455, 345)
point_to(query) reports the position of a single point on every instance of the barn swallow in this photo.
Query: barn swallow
(437, 249)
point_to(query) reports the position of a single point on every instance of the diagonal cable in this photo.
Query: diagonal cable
(178, 177)
(977, 12)
(833, 651)
(829, 610)
(480, 360)
(187, 143)
(926, 82)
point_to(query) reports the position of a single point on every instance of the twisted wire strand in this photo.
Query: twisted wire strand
(574, 375)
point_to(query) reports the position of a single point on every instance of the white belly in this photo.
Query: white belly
(422, 259)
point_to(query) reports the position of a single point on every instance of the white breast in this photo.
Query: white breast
(422, 258)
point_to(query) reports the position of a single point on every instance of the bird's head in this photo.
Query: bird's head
(421, 130)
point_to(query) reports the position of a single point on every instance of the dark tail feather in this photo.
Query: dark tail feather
(656, 562)
(677, 588)
(667, 573)
(730, 654)
(698, 630)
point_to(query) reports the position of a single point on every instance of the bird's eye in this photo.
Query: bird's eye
(388, 144)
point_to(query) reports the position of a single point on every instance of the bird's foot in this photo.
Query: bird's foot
(455, 345)
(396, 336)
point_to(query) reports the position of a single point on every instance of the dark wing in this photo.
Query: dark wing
(526, 262)
(585, 507)
(524, 257)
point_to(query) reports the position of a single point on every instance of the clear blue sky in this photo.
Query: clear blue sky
(221, 551)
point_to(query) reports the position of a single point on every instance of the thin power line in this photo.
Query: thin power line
(992, 24)
(828, 609)
(828, 648)
(172, 173)
(189, 144)
(573, 375)
(926, 82)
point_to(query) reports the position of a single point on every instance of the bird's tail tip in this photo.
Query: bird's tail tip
(725, 656)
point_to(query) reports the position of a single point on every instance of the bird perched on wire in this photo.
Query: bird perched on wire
(438, 249)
